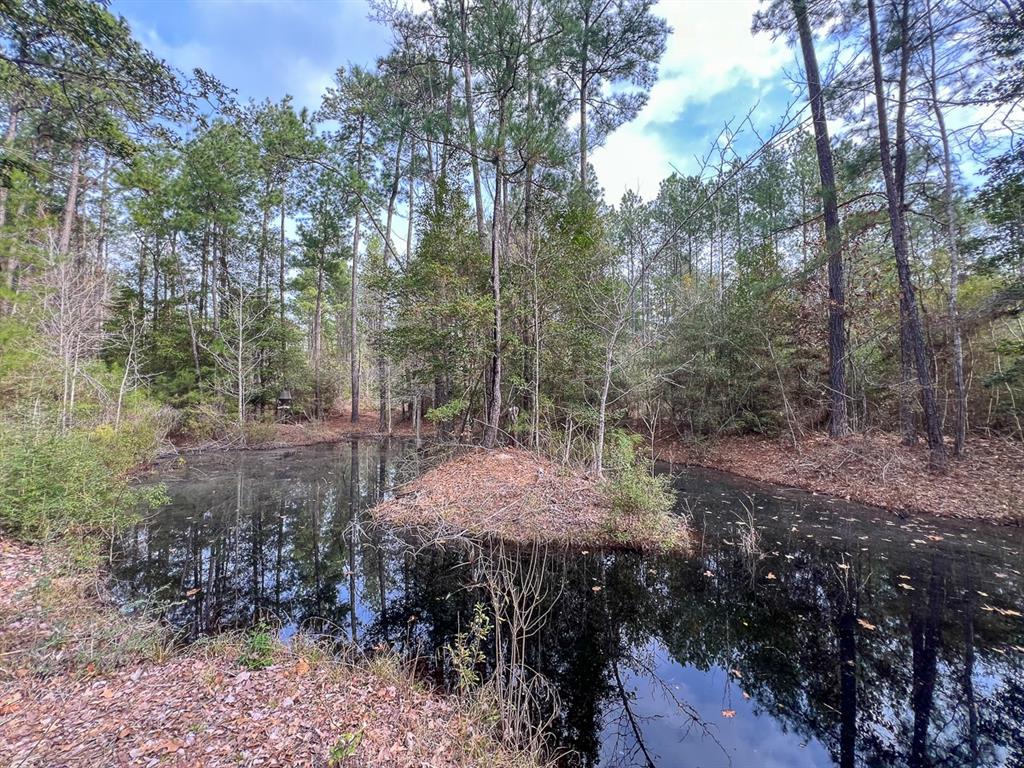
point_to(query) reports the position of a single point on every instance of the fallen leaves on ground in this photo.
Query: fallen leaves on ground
(199, 708)
(523, 497)
(874, 469)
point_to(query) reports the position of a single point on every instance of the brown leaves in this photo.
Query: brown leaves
(520, 497)
(10, 704)
(873, 469)
(200, 709)
(1001, 611)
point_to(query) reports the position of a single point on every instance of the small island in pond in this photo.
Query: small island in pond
(524, 498)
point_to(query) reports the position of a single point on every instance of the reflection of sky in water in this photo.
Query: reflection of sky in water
(270, 534)
(750, 738)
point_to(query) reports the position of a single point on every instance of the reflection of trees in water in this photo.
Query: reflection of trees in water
(283, 535)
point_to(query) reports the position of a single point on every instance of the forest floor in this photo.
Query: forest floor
(522, 498)
(985, 484)
(83, 685)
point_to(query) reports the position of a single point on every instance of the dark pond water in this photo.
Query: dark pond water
(852, 638)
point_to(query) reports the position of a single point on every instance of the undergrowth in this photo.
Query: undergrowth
(72, 485)
(633, 489)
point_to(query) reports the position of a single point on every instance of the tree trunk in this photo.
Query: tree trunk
(383, 374)
(262, 267)
(281, 269)
(493, 410)
(467, 76)
(896, 217)
(602, 408)
(101, 232)
(71, 203)
(908, 423)
(959, 385)
(9, 136)
(838, 421)
(317, 333)
(583, 123)
(354, 303)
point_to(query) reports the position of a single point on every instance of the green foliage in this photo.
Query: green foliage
(450, 410)
(258, 648)
(57, 485)
(634, 491)
(466, 651)
(344, 748)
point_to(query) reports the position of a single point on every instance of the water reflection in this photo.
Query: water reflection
(850, 638)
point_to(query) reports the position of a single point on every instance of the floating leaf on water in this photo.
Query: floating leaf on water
(866, 624)
(1001, 611)
(729, 713)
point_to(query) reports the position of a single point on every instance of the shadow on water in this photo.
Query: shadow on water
(848, 638)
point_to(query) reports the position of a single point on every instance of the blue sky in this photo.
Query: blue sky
(713, 70)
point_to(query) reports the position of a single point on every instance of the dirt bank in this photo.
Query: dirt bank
(337, 426)
(875, 469)
(524, 498)
(81, 685)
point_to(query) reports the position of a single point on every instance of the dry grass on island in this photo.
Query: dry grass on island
(523, 498)
(985, 484)
(83, 685)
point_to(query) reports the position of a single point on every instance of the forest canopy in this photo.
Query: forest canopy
(432, 242)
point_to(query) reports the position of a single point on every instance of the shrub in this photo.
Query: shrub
(204, 422)
(633, 489)
(259, 432)
(258, 651)
(53, 485)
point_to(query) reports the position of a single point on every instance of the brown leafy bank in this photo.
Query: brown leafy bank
(81, 685)
(873, 469)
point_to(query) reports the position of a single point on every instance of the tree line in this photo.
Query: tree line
(432, 242)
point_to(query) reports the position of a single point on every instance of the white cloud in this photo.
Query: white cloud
(710, 51)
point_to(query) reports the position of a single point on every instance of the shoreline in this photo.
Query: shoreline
(82, 684)
(335, 428)
(872, 470)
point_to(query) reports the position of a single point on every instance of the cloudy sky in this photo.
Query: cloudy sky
(713, 71)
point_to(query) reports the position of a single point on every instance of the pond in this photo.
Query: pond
(844, 636)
